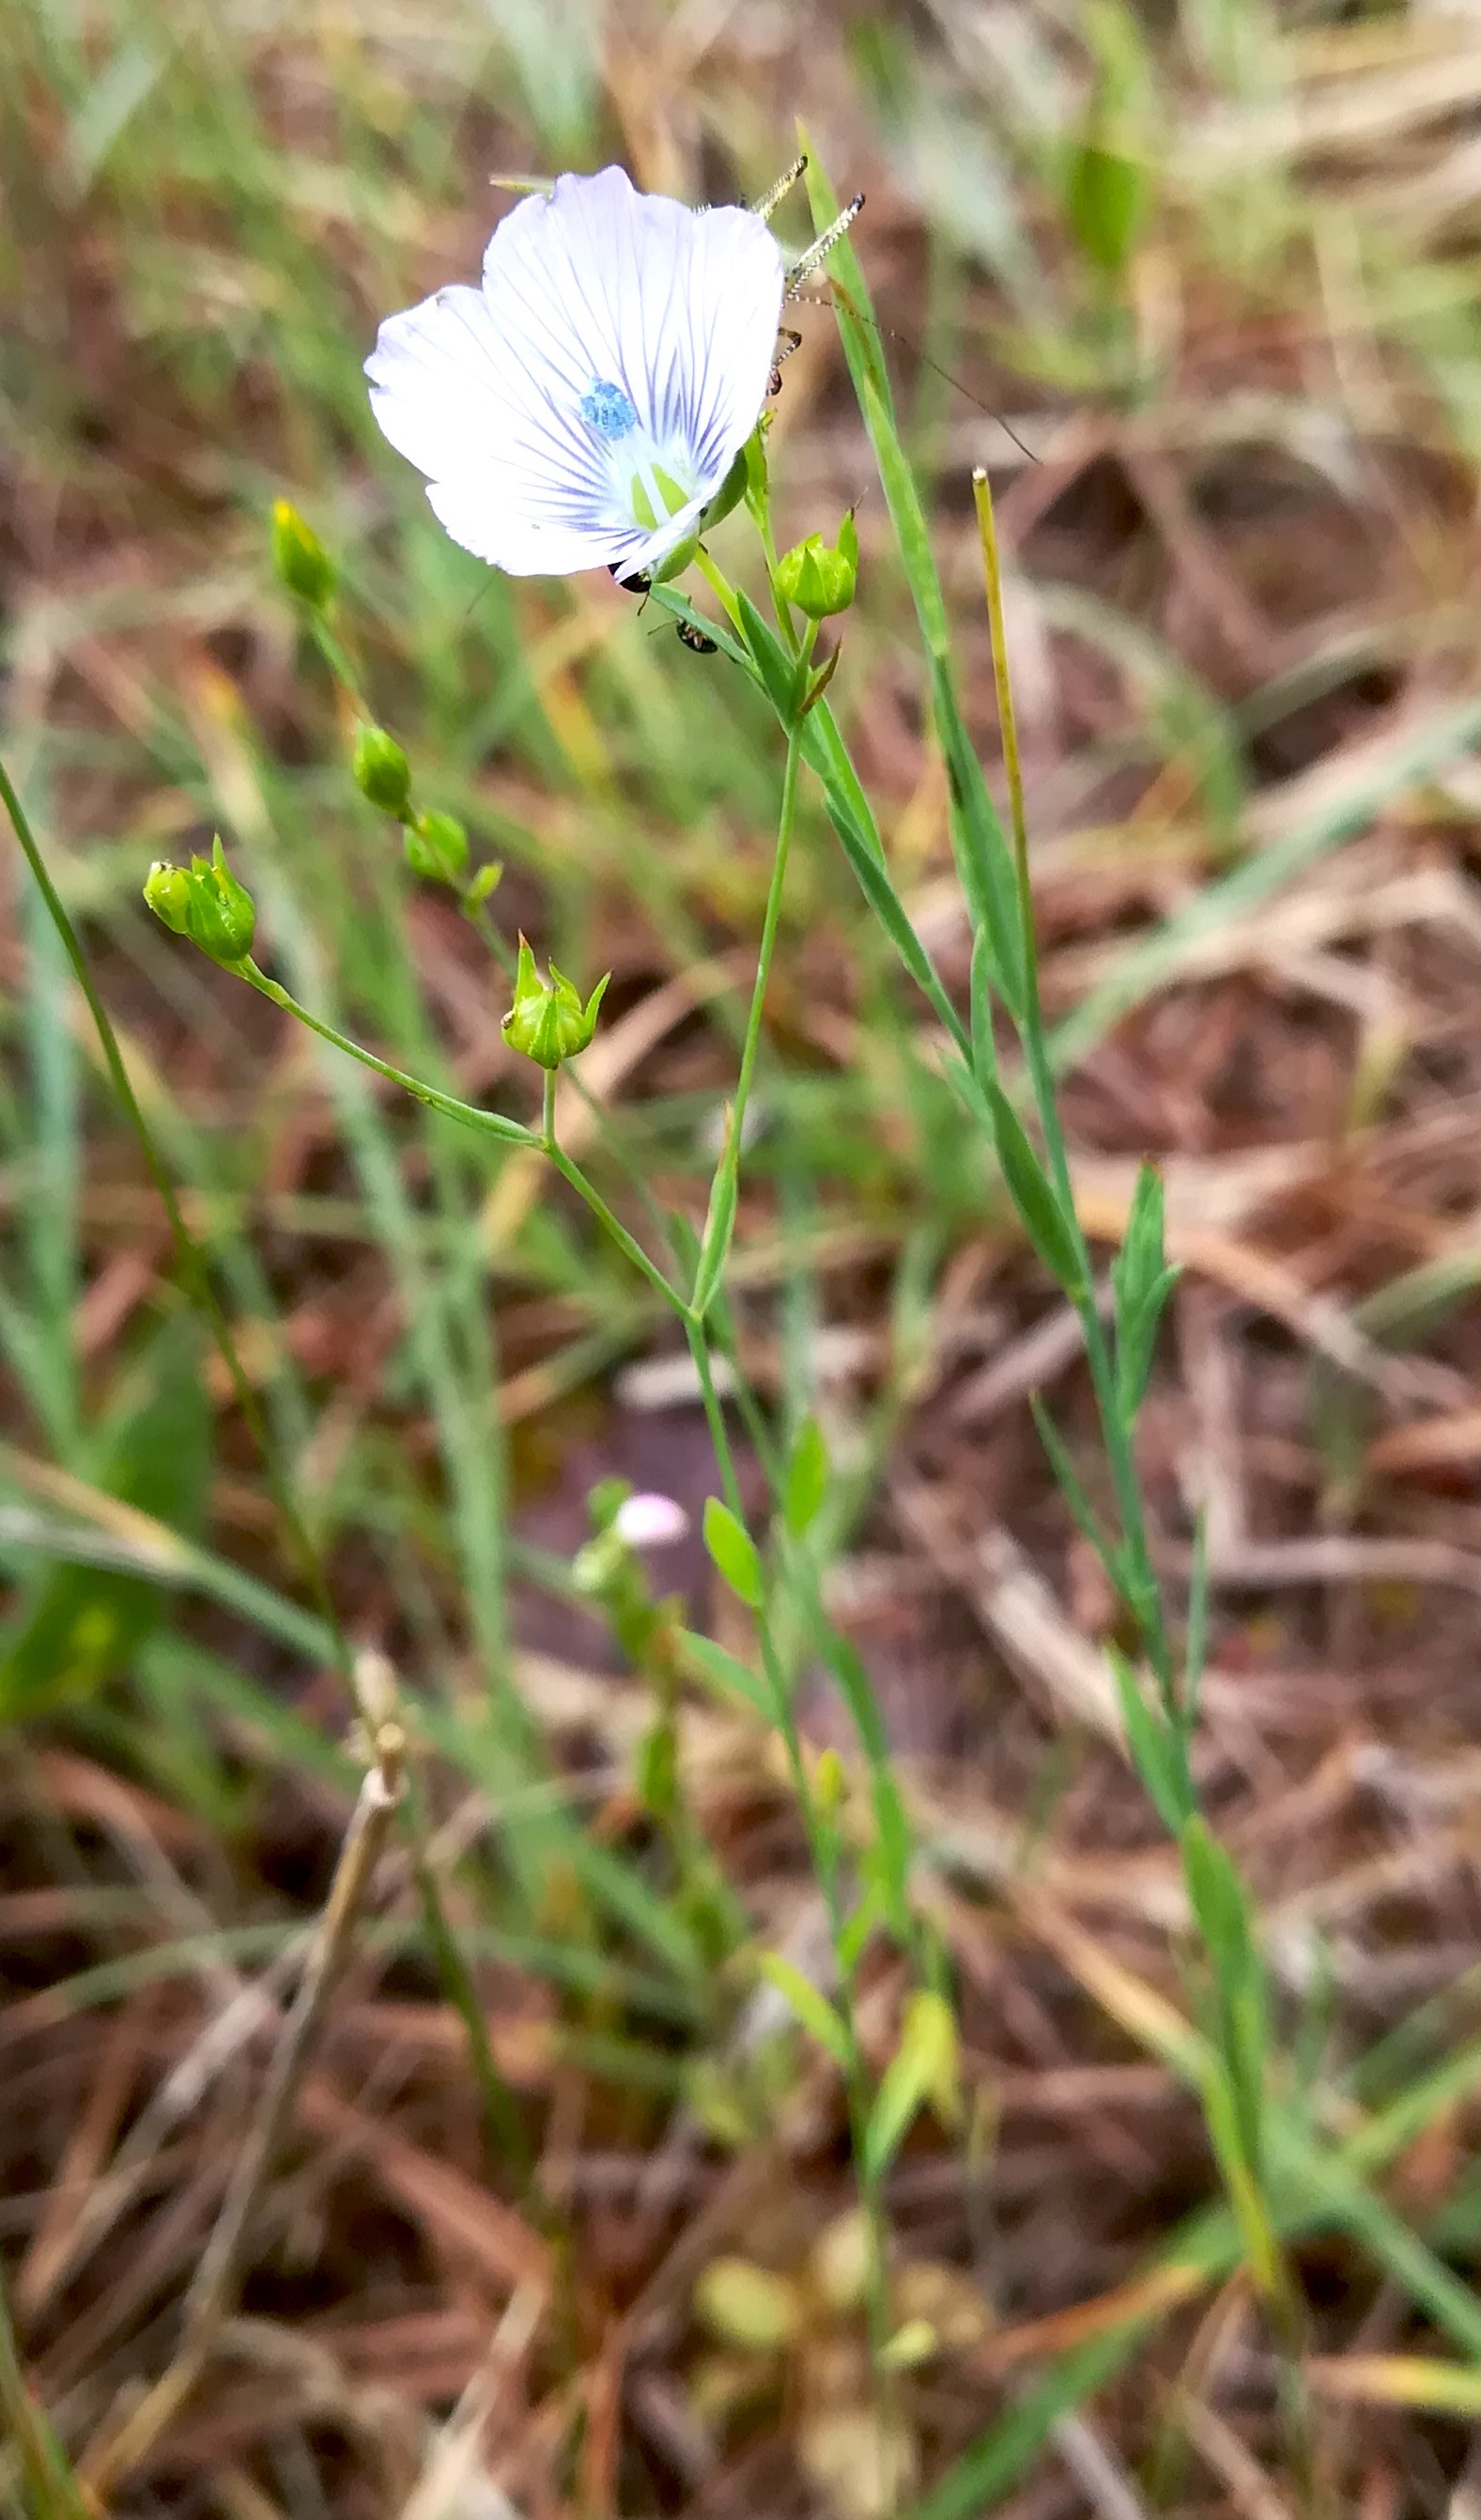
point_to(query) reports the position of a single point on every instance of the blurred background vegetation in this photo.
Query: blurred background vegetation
(1214, 263)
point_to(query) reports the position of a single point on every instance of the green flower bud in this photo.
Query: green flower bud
(383, 772)
(436, 846)
(820, 577)
(548, 1022)
(166, 890)
(301, 559)
(207, 904)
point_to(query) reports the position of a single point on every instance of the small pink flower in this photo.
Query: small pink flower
(651, 1521)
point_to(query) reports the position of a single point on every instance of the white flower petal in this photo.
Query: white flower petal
(583, 406)
(651, 1521)
(494, 518)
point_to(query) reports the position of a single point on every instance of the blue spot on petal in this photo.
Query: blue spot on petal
(607, 409)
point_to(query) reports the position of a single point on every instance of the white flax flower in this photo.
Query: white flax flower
(582, 407)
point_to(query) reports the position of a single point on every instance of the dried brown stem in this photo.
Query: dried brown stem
(207, 2304)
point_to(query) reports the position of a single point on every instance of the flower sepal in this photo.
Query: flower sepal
(206, 903)
(732, 490)
(681, 558)
(547, 1022)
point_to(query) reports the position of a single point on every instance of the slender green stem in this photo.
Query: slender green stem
(719, 585)
(758, 501)
(490, 1124)
(336, 659)
(626, 1244)
(719, 1224)
(612, 1226)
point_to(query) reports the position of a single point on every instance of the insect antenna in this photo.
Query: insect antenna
(891, 332)
(817, 252)
(763, 208)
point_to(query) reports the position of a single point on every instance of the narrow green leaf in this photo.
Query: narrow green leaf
(879, 891)
(858, 1928)
(1196, 1647)
(734, 1553)
(812, 2009)
(1156, 1750)
(1053, 1236)
(1142, 1282)
(1072, 1489)
(777, 670)
(82, 1625)
(984, 1048)
(892, 1851)
(984, 860)
(806, 1482)
(1225, 1916)
(719, 1222)
(1105, 199)
(1218, 1900)
(856, 1688)
(825, 753)
(1137, 1343)
(722, 1674)
(1140, 1262)
(925, 2068)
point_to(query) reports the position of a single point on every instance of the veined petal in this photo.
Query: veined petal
(582, 408)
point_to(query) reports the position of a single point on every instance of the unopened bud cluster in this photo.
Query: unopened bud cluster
(547, 1022)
